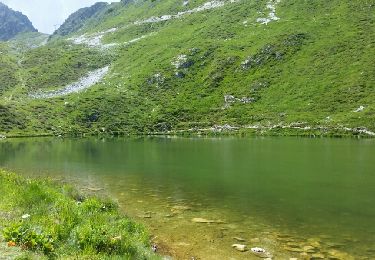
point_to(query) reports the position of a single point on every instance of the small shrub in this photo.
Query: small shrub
(29, 238)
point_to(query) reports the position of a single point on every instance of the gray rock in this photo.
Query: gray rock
(13, 23)
(221, 128)
(239, 239)
(239, 247)
(78, 19)
(318, 256)
(261, 252)
(206, 221)
(309, 249)
(230, 99)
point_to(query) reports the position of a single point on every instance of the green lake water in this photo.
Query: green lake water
(295, 197)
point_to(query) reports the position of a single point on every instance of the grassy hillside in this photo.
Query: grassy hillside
(309, 70)
(8, 69)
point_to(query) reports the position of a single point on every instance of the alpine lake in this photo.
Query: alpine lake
(293, 197)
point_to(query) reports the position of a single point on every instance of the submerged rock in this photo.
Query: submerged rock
(255, 240)
(261, 252)
(318, 256)
(293, 244)
(334, 245)
(293, 249)
(239, 247)
(239, 239)
(207, 221)
(182, 244)
(146, 215)
(94, 189)
(339, 255)
(180, 208)
(309, 249)
(315, 241)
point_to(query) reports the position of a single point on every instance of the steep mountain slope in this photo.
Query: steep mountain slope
(7, 69)
(206, 66)
(13, 23)
(79, 18)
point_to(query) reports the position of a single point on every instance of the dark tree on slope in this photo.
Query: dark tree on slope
(13, 23)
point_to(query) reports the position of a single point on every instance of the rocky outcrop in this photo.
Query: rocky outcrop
(125, 2)
(13, 23)
(78, 19)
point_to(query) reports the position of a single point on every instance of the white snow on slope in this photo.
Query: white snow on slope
(271, 6)
(94, 40)
(360, 109)
(89, 80)
(139, 38)
(206, 6)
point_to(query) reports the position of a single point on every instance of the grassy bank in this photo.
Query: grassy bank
(43, 219)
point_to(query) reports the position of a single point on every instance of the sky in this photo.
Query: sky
(46, 15)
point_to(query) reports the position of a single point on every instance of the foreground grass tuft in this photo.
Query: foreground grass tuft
(55, 221)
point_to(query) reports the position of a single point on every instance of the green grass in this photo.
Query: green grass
(55, 221)
(315, 67)
(60, 63)
(8, 69)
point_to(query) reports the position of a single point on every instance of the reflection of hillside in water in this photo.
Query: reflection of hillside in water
(306, 186)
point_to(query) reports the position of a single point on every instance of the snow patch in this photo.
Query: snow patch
(94, 40)
(229, 100)
(206, 6)
(271, 6)
(179, 61)
(89, 80)
(360, 109)
(139, 38)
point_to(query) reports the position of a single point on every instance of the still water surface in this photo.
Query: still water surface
(291, 196)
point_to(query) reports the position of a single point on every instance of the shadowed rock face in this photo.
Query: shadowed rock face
(13, 23)
(78, 19)
(125, 2)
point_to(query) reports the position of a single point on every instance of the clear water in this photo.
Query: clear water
(291, 196)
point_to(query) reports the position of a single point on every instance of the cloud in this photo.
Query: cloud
(46, 15)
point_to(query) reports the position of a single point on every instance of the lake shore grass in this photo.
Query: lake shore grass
(42, 219)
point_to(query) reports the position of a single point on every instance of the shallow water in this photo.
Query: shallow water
(291, 196)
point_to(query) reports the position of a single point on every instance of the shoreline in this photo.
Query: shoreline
(293, 130)
(48, 219)
(174, 243)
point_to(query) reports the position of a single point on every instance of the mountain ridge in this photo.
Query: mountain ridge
(77, 20)
(13, 23)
